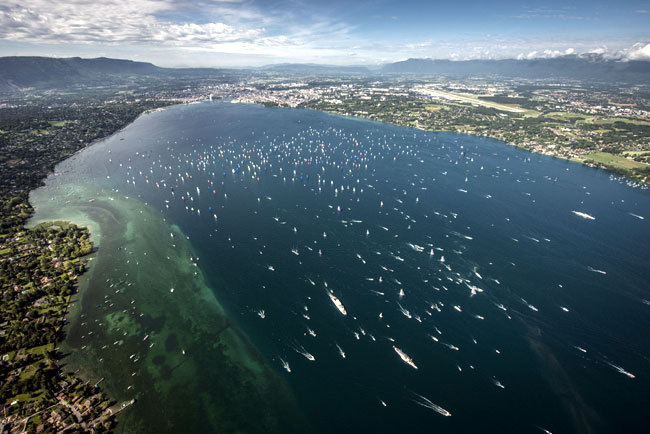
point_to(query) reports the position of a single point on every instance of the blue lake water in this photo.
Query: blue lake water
(517, 284)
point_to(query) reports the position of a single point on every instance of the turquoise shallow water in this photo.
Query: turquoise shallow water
(519, 313)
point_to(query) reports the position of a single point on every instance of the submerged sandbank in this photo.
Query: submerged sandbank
(147, 322)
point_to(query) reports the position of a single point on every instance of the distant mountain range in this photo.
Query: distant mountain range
(315, 69)
(20, 72)
(578, 67)
(48, 72)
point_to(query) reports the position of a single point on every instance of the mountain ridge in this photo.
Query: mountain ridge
(579, 67)
(20, 72)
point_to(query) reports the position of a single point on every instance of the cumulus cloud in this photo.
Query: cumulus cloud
(639, 52)
(196, 32)
(112, 22)
(599, 50)
(147, 27)
(530, 55)
(545, 54)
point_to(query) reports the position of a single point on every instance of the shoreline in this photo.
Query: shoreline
(93, 229)
(73, 307)
(101, 139)
(146, 234)
(117, 242)
(643, 183)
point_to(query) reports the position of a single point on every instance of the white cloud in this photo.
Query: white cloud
(177, 26)
(599, 50)
(208, 32)
(545, 54)
(112, 22)
(639, 52)
(530, 55)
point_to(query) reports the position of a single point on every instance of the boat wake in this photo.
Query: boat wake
(596, 270)
(425, 402)
(584, 215)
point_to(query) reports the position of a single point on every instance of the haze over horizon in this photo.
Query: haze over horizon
(212, 33)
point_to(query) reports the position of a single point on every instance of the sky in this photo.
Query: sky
(238, 33)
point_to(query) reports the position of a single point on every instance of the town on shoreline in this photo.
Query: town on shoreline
(605, 127)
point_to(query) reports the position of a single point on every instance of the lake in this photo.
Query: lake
(284, 270)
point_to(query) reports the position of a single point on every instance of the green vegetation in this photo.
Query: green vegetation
(566, 116)
(434, 107)
(59, 123)
(604, 128)
(615, 162)
(39, 267)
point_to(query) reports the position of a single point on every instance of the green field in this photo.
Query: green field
(615, 160)
(567, 116)
(588, 119)
(28, 397)
(611, 121)
(41, 350)
(434, 107)
(59, 123)
(634, 153)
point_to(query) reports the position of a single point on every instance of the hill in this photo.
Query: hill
(578, 67)
(47, 72)
(21, 72)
